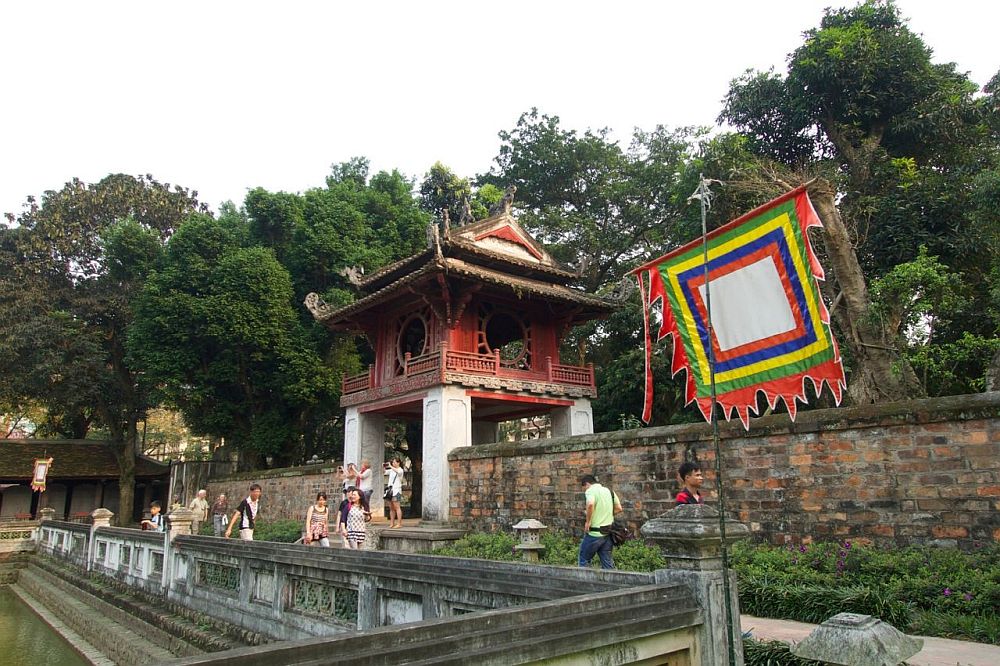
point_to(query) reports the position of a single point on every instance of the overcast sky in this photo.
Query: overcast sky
(224, 96)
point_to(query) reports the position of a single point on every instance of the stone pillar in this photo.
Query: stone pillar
(577, 419)
(372, 448)
(47, 513)
(690, 539)
(180, 522)
(352, 435)
(447, 426)
(101, 517)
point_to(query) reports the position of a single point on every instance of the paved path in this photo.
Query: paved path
(936, 652)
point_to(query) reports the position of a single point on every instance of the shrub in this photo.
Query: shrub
(941, 591)
(560, 550)
(495, 546)
(980, 628)
(771, 653)
(816, 603)
(282, 531)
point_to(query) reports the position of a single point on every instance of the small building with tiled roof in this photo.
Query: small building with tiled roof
(466, 335)
(82, 477)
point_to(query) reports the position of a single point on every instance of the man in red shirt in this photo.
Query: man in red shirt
(691, 477)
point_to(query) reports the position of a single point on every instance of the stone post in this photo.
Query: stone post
(48, 513)
(101, 517)
(690, 539)
(180, 521)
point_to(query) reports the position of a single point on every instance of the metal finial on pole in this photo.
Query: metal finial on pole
(704, 195)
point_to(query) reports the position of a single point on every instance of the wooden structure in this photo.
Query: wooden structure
(466, 335)
(83, 477)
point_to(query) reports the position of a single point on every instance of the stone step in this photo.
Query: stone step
(94, 620)
(185, 629)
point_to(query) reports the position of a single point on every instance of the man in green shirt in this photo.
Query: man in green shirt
(602, 505)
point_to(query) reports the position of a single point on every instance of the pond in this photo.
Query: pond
(27, 640)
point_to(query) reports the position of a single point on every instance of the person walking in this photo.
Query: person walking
(317, 523)
(199, 505)
(394, 493)
(602, 505)
(246, 514)
(220, 512)
(353, 528)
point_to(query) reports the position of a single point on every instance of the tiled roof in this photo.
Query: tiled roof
(71, 459)
(522, 286)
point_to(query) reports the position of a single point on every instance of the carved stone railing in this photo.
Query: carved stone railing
(288, 591)
(17, 536)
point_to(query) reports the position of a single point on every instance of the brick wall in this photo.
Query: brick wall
(285, 493)
(914, 472)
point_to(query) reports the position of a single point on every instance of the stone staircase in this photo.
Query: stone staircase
(128, 628)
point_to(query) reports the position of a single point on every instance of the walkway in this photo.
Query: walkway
(936, 652)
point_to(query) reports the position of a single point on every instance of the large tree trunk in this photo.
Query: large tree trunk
(880, 372)
(126, 479)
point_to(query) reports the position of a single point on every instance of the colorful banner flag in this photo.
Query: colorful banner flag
(42, 466)
(770, 327)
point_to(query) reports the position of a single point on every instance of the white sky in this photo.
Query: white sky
(222, 96)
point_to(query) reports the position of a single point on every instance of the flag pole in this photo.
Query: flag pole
(704, 194)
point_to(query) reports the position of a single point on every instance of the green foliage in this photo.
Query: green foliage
(561, 549)
(816, 603)
(978, 628)
(912, 587)
(913, 152)
(282, 531)
(495, 546)
(771, 653)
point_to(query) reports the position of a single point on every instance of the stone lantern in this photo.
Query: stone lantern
(529, 531)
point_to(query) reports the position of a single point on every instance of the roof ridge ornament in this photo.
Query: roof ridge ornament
(354, 274)
(319, 308)
(506, 202)
(466, 216)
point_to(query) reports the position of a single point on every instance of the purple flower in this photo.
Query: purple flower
(967, 596)
(802, 548)
(847, 545)
(947, 592)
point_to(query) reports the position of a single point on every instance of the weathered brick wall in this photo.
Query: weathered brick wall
(285, 493)
(914, 472)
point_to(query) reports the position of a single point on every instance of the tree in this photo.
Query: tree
(588, 199)
(897, 137)
(605, 209)
(223, 329)
(441, 190)
(76, 262)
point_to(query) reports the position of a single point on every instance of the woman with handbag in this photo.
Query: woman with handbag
(317, 523)
(353, 528)
(394, 493)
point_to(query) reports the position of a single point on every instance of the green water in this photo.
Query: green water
(25, 639)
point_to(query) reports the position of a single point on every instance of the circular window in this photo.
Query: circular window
(412, 338)
(507, 334)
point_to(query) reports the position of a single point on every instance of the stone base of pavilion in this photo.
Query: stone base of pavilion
(418, 536)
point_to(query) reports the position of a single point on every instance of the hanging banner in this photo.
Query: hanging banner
(770, 330)
(42, 466)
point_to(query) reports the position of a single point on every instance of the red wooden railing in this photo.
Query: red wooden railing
(445, 360)
(359, 382)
